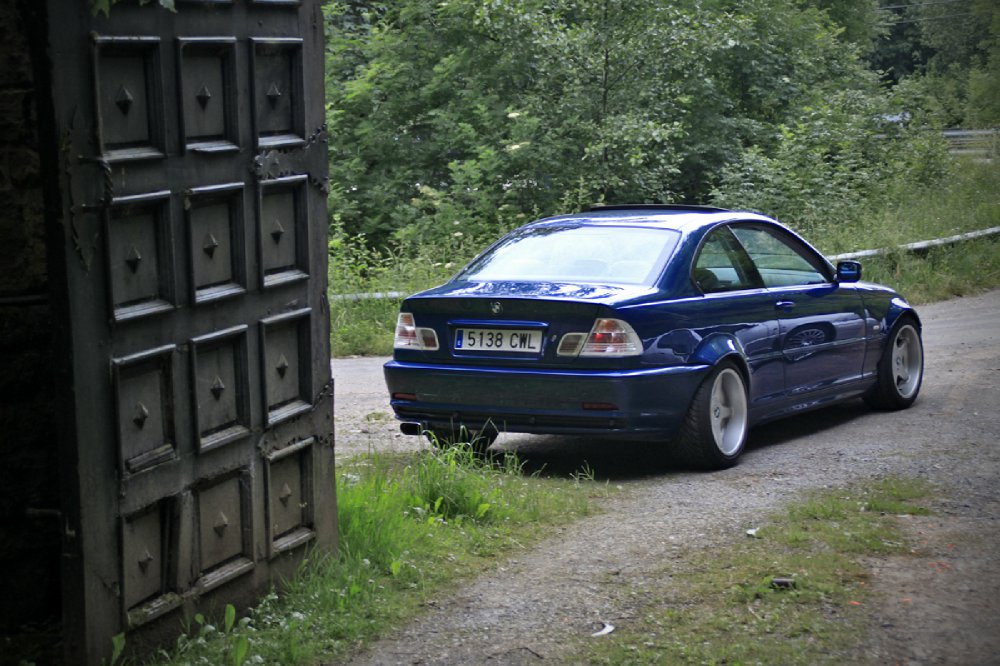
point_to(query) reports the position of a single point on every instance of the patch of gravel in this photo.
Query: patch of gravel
(940, 606)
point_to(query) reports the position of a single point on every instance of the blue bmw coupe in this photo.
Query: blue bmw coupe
(683, 324)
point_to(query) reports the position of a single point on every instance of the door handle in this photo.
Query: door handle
(784, 306)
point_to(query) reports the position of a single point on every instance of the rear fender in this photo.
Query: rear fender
(715, 348)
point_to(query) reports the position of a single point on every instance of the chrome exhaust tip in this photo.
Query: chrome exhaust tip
(411, 428)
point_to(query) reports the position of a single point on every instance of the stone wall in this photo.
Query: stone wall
(29, 499)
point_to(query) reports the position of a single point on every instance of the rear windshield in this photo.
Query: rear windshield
(603, 255)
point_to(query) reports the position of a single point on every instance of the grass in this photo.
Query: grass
(415, 526)
(795, 594)
(364, 326)
(941, 273)
(411, 526)
(967, 201)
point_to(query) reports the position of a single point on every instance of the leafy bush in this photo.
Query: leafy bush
(834, 166)
(366, 285)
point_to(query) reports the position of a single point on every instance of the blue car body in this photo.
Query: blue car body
(798, 346)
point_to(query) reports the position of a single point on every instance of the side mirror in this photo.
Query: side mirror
(848, 271)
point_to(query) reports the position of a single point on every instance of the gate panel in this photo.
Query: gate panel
(193, 164)
(144, 389)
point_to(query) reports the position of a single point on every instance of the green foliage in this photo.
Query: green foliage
(104, 6)
(946, 56)
(964, 201)
(458, 120)
(117, 647)
(473, 116)
(834, 165)
(363, 325)
(410, 526)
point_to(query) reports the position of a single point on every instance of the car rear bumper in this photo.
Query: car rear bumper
(643, 402)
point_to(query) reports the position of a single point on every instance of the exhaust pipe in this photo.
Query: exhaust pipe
(411, 428)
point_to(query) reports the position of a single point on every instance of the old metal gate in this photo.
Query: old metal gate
(192, 158)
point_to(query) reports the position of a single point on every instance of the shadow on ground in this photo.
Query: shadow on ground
(626, 460)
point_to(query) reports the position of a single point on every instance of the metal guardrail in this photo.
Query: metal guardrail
(919, 246)
(984, 143)
(362, 297)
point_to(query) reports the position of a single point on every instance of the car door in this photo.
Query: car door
(735, 304)
(822, 324)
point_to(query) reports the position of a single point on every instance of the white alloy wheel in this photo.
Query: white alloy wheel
(727, 411)
(907, 361)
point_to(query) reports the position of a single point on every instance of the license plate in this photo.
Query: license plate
(498, 340)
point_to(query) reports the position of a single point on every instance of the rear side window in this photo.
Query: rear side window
(722, 264)
(778, 258)
(593, 254)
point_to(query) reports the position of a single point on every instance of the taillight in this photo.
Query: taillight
(411, 336)
(612, 337)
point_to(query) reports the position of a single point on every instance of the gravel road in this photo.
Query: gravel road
(940, 607)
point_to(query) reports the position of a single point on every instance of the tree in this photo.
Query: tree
(466, 116)
(946, 57)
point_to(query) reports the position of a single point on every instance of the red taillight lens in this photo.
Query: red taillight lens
(410, 336)
(612, 337)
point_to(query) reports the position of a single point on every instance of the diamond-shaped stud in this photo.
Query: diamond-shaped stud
(221, 523)
(217, 387)
(277, 232)
(282, 367)
(285, 494)
(133, 259)
(273, 94)
(123, 100)
(204, 96)
(141, 414)
(145, 560)
(210, 244)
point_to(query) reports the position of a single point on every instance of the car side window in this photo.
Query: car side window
(779, 262)
(723, 265)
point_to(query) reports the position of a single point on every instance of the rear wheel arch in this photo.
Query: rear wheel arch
(713, 349)
(722, 348)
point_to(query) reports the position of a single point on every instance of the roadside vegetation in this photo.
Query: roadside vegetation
(452, 122)
(963, 199)
(411, 527)
(794, 591)
(414, 526)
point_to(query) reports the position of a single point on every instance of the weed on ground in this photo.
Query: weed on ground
(791, 592)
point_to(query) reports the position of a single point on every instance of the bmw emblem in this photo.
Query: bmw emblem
(496, 308)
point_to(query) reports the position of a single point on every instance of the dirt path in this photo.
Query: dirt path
(940, 607)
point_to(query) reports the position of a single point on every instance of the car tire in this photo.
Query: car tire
(479, 440)
(900, 369)
(715, 430)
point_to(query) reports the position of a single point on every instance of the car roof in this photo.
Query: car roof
(681, 218)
